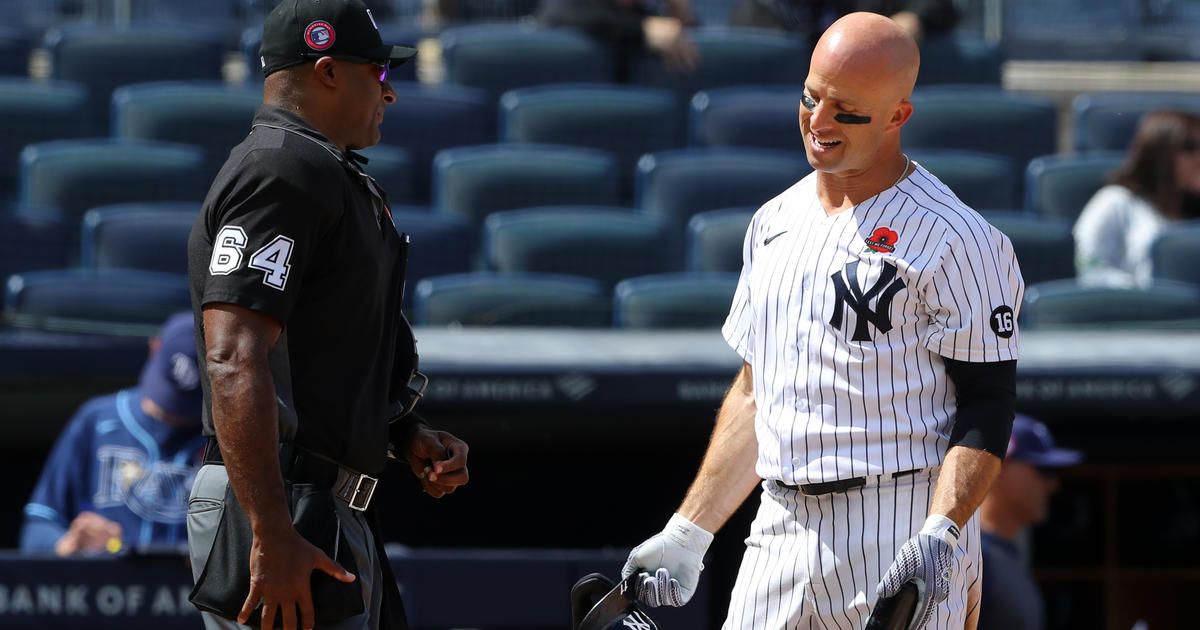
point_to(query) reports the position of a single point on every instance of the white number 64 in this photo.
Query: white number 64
(274, 258)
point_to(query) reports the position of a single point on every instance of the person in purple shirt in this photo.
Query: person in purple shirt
(1020, 497)
(120, 473)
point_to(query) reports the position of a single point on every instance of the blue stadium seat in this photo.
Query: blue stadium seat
(75, 175)
(729, 57)
(715, 238)
(606, 244)
(678, 184)
(220, 16)
(103, 58)
(14, 52)
(476, 11)
(404, 34)
(625, 120)
(1169, 30)
(1072, 29)
(1106, 121)
(426, 119)
(439, 244)
(674, 300)
(392, 167)
(90, 300)
(210, 115)
(957, 58)
(512, 299)
(500, 57)
(1173, 254)
(981, 180)
(981, 118)
(37, 111)
(759, 116)
(1044, 246)
(29, 243)
(149, 236)
(1061, 185)
(472, 182)
(1067, 304)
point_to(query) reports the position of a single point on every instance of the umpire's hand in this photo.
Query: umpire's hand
(438, 459)
(926, 560)
(670, 561)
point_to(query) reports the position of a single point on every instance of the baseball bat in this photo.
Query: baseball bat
(895, 612)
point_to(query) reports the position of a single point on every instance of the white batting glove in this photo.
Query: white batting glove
(670, 562)
(926, 560)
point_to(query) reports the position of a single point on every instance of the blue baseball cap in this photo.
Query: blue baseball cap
(1031, 442)
(171, 377)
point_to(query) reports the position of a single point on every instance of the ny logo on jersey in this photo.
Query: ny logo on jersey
(885, 288)
(638, 621)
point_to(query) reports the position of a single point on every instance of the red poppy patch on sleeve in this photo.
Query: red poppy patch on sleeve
(883, 240)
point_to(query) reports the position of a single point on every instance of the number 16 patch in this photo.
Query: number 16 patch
(273, 259)
(1002, 322)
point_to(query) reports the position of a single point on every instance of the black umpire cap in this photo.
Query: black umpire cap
(299, 30)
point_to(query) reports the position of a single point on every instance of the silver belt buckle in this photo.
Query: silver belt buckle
(363, 490)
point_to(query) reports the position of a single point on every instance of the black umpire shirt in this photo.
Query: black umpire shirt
(292, 228)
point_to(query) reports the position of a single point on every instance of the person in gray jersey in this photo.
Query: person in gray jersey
(876, 318)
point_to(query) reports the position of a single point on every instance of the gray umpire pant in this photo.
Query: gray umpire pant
(204, 512)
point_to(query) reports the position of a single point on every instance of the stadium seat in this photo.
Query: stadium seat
(1106, 121)
(210, 115)
(1061, 185)
(29, 243)
(439, 244)
(14, 52)
(1173, 254)
(1071, 29)
(981, 118)
(501, 57)
(392, 168)
(678, 184)
(104, 58)
(37, 111)
(403, 34)
(981, 180)
(759, 116)
(626, 120)
(148, 236)
(425, 120)
(674, 300)
(606, 244)
(75, 175)
(728, 57)
(1044, 246)
(220, 16)
(1067, 304)
(1169, 30)
(520, 299)
(108, 301)
(715, 239)
(957, 58)
(472, 182)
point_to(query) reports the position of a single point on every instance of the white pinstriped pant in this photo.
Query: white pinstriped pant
(814, 562)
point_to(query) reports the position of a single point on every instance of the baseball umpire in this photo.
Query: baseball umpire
(876, 318)
(297, 277)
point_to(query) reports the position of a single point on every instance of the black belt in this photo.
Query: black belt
(841, 485)
(300, 466)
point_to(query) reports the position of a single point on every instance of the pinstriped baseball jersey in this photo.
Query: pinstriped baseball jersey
(844, 321)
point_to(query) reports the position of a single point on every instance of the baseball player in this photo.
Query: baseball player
(876, 318)
(119, 474)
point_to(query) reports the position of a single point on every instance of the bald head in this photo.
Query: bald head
(869, 47)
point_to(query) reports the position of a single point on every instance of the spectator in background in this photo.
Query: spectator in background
(629, 27)
(1157, 184)
(810, 18)
(120, 473)
(1019, 498)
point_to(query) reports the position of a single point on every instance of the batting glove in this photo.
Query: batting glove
(926, 560)
(670, 562)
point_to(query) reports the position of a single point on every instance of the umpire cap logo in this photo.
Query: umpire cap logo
(848, 292)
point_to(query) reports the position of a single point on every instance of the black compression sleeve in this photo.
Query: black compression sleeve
(987, 394)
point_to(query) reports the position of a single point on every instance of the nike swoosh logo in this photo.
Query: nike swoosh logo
(767, 241)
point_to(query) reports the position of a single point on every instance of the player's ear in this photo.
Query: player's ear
(900, 114)
(326, 71)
